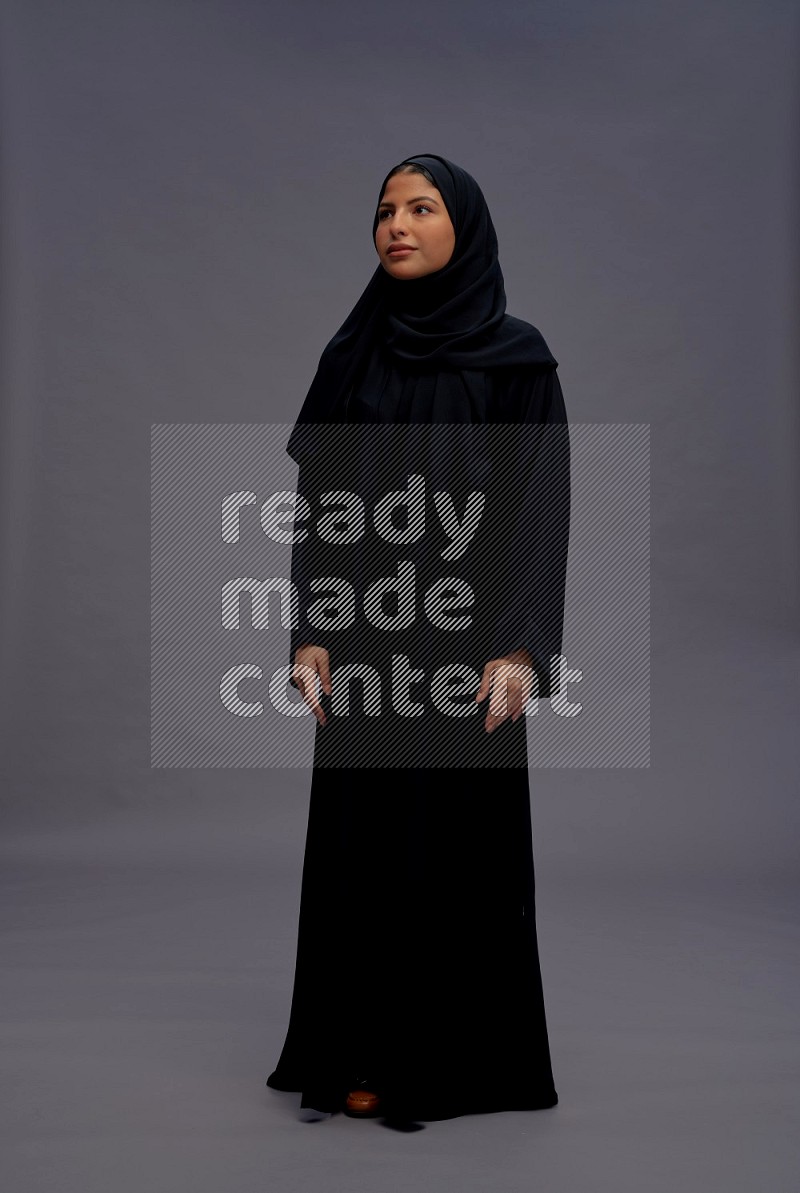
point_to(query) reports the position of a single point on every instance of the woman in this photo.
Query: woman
(417, 990)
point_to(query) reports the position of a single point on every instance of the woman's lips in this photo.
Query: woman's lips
(403, 252)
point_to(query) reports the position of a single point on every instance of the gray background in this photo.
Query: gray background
(187, 192)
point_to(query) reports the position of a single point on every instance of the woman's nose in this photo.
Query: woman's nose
(397, 224)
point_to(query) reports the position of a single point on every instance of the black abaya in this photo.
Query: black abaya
(417, 958)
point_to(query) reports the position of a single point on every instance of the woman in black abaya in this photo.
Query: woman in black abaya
(417, 990)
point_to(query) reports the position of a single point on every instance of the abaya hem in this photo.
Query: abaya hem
(420, 1109)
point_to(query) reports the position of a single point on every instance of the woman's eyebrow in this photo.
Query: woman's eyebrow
(428, 197)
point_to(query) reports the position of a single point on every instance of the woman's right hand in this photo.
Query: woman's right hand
(311, 661)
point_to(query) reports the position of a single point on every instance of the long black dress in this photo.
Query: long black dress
(417, 958)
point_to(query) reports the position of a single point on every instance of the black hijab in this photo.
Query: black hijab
(449, 322)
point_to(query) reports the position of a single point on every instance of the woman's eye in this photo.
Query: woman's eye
(419, 207)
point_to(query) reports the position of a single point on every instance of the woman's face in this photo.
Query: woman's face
(414, 235)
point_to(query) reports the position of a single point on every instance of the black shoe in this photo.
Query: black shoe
(310, 1114)
(315, 1106)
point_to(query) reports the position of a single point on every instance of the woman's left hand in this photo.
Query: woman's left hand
(511, 681)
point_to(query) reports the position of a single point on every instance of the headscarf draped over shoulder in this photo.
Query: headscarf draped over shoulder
(452, 320)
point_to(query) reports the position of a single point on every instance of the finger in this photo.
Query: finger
(483, 690)
(510, 681)
(323, 663)
(525, 695)
(492, 722)
(498, 708)
(498, 705)
(315, 706)
(307, 680)
(514, 698)
(301, 674)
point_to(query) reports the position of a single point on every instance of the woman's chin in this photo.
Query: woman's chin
(402, 268)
